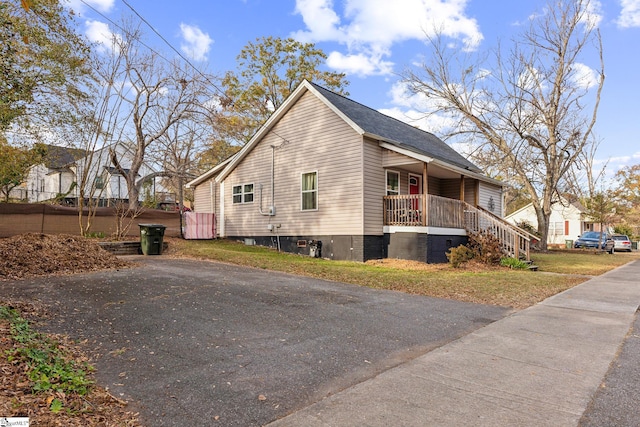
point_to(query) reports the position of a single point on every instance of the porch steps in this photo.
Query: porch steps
(531, 267)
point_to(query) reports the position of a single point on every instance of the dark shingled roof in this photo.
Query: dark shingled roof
(396, 132)
(58, 157)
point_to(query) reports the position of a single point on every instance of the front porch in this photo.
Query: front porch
(408, 210)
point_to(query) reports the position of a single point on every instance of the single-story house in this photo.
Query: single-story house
(327, 176)
(568, 220)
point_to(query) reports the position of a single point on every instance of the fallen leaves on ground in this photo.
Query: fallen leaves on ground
(32, 255)
(29, 255)
(404, 264)
(97, 408)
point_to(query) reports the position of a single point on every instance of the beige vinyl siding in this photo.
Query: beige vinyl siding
(450, 188)
(204, 199)
(310, 138)
(488, 192)
(374, 190)
(391, 159)
(435, 185)
(470, 186)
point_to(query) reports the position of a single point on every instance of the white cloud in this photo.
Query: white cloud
(372, 27)
(630, 14)
(432, 123)
(584, 76)
(80, 7)
(594, 13)
(196, 43)
(619, 160)
(99, 32)
(359, 64)
(321, 20)
(413, 109)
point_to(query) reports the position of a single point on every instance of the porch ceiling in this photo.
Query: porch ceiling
(415, 166)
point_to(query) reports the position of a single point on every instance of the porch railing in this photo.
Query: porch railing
(407, 210)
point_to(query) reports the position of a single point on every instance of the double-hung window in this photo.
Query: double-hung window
(393, 183)
(556, 228)
(99, 182)
(243, 193)
(309, 191)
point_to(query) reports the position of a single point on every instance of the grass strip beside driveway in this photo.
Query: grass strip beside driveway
(477, 284)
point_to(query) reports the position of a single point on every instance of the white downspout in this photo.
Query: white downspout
(212, 194)
(221, 216)
(271, 210)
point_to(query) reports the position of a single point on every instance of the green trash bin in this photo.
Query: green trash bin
(568, 244)
(151, 236)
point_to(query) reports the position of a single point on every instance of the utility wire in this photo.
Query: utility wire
(171, 46)
(149, 47)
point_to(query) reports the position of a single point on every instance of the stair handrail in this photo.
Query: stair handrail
(521, 231)
(518, 235)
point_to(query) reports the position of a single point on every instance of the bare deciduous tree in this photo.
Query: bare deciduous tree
(155, 96)
(534, 109)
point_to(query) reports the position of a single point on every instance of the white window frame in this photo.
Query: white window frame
(386, 183)
(315, 190)
(243, 194)
(99, 182)
(556, 228)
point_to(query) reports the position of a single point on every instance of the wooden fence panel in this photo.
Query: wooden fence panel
(21, 218)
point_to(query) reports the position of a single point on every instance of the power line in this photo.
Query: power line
(149, 47)
(171, 46)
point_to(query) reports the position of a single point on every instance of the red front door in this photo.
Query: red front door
(415, 187)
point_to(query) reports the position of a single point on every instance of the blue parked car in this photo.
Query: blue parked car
(594, 240)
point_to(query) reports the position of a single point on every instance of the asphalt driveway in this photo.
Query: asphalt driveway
(198, 343)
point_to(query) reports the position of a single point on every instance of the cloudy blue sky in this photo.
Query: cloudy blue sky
(374, 40)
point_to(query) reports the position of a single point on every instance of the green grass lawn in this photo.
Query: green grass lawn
(477, 284)
(588, 262)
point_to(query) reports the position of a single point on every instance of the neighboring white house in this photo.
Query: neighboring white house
(567, 221)
(62, 171)
(51, 178)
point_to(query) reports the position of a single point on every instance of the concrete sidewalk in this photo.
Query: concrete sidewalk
(539, 367)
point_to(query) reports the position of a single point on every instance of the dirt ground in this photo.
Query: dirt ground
(31, 255)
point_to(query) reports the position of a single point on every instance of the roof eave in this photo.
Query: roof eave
(211, 172)
(427, 159)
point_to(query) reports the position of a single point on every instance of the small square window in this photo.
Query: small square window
(243, 193)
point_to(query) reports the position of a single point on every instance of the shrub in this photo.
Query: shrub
(459, 255)
(486, 248)
(514, 263)
(624, 229)
(483, 247)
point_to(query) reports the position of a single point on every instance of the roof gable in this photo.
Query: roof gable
(364, 120)
(57, 157)
(558, 206)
